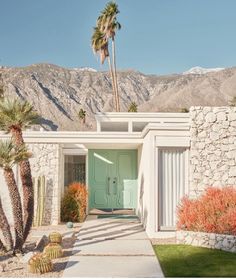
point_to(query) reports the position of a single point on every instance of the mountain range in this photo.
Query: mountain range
(59, 93)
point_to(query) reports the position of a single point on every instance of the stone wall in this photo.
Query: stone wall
(45, 162)
(208, 240)
(213, 147)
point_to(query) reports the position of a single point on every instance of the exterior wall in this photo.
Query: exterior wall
(213, 147)
(208, 240)
(45, 162)
(144, 185)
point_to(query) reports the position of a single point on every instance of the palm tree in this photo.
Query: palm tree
(5, 228)
(100, 46)
(133, 107)
(108, 24)
(82, 115)
(14, 117)
(9, 156)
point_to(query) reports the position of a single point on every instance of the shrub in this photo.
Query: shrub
(73, 206)
(214, 211)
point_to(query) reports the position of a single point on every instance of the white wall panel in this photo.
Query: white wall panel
(172, 175)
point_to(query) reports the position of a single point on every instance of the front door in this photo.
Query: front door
(112, 179)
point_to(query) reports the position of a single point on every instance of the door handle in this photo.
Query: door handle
(108, 186)
(115, 185)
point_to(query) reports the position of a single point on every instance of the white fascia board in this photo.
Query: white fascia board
(167, 130)
(140, 114)
(78, 137)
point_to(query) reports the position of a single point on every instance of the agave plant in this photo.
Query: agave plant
(14, 117)
(9, 156)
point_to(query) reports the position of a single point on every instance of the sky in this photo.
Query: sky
(157, 36)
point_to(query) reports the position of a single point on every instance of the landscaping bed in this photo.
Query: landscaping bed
(17, 266)
(187, 261)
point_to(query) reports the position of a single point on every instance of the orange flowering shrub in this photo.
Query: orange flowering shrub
(74, 202)
(214, 211)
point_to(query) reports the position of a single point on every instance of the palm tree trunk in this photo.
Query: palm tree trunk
(115, 73)
(113, 82)
(27, 185)
(4, 226)
(16, 208)
(2, 247)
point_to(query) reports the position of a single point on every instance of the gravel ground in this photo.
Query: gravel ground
(15, 267)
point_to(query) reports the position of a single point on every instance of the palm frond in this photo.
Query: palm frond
(11, 155)
(14, 113)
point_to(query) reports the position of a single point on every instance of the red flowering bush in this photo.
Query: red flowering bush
(214, 211)
(74, 202)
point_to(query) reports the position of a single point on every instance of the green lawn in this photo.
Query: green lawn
(189, 261)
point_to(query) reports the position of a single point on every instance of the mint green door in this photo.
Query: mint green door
(112, 178)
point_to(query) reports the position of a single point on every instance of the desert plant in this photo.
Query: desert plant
(40, 194)
(14, 117)
(184, 110)
(53, 251)
(82, 115)
(9, 156)
(40, 263)
(214, 211)
(55, 237)
(74, 203)
(232, 102)
(133, 107)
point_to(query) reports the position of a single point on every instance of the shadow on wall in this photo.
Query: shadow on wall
(142, 212)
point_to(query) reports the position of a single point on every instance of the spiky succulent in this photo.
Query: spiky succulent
(55, 237)
(53, 250)
(40, 263)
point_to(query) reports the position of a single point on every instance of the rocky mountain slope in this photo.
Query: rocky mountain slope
(59, 93)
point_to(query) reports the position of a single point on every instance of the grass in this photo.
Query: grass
(189, 261)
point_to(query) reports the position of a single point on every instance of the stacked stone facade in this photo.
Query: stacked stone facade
(209, 240)
(45, 161)
(213, 147)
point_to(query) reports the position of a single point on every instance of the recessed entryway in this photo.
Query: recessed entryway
(112, 179)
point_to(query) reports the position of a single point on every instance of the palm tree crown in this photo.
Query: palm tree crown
(15, 114)
(11, 154)
(100, 44)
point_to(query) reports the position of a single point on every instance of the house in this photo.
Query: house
(141, 161)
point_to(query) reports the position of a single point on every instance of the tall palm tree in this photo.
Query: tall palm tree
(9, 156)
(82, 115)
(5, 228)
(108, 25)
(14, 117)
(100, 46)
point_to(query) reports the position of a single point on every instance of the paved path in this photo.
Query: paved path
(112, 247)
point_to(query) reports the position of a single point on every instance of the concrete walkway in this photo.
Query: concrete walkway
(113, 247)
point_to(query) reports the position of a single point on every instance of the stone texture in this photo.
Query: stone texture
(45, 162)
(213, 149)
(208, 240)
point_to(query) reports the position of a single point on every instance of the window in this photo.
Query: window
(75, 169)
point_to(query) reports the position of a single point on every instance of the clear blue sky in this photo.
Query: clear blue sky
(157, 36)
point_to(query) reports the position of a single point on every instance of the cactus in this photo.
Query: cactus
(53, 251)
(39, 190)
(40, 263)
(55, 237)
